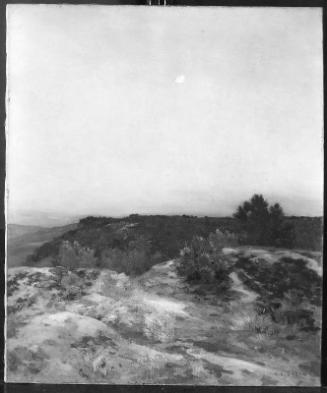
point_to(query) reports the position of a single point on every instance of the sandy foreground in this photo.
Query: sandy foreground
(150, 329)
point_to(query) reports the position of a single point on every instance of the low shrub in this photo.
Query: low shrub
(295, 310)
(275, 280)
(73, 255)
(288, 290)
(69, 280)
(262, 324)
(203, 260)
(134, 260)
(70, 285)
(219, 240)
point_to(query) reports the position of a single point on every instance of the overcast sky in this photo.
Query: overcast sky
(115, 110)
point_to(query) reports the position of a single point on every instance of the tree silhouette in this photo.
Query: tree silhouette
(263, 224)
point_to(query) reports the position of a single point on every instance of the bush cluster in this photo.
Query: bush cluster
(73, 255)
(262, 324)
(71, 286)
(203, 260)
(288, 290)
(134, 260)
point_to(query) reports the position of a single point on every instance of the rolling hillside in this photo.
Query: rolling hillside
(165, 235)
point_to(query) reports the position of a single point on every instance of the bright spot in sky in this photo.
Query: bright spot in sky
(180, 79)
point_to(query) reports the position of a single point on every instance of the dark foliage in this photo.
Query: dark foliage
(307, 232)
(166, 236)
(203, 261)
(273, 280)
(133, 260)
(263, 224)
(286, 288)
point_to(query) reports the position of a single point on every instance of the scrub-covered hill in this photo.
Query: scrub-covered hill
(130, 245)
(117, 242)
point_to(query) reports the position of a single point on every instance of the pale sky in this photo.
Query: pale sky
(117, 110)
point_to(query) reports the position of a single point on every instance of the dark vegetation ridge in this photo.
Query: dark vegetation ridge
(133, 244)
(105, 239)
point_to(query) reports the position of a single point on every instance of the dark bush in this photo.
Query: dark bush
(308, 232)
(287, 289)
(274, 280)
(73, 255)
(203, 261)
(263, 224)
(134, 260)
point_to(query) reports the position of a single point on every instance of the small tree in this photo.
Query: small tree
(281, 232)
(264, 224)
(254, 218)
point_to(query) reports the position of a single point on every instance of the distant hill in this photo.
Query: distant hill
(39, 218)
(16, 230)
(23, 240)
(166, 235)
